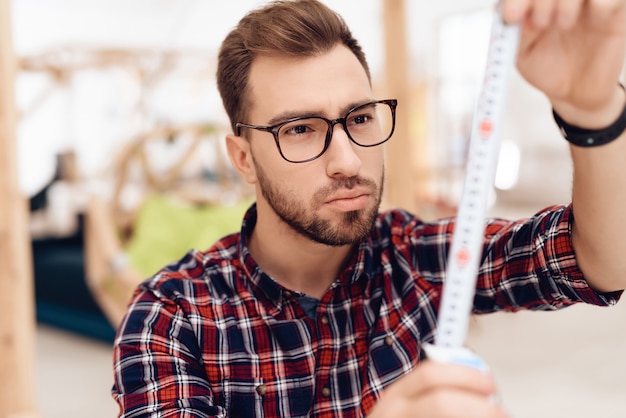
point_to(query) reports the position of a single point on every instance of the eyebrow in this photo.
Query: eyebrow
(288, 115)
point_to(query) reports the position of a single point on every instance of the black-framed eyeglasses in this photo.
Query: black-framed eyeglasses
(306, 138)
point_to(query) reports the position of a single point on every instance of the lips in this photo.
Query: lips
(344, 196)
(349, 200)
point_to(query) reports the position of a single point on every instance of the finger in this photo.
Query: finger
(457, 403)
(598, 10)
(567, 13)
(443, 401)
(515, 11)
(542, 12)
(431, 375)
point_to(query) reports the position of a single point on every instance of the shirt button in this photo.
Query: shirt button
(324, 319)
(326, 392)
(261, 389)
(286, 294)
(389, 340)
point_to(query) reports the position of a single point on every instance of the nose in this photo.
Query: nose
(341, 156)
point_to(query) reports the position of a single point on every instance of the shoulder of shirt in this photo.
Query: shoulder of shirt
(397, 215)
(398, 221)
(209, 271)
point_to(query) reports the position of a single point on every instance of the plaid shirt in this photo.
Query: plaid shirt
(214, 336)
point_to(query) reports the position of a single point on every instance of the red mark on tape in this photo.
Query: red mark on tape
(485, 129)
(462, 257)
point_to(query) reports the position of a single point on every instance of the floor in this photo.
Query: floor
(564, 364)
(74, 376)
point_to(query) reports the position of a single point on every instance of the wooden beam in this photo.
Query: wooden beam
(400, 183)
(17, 322)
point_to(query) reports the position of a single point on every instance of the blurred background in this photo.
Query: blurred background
(120, 155)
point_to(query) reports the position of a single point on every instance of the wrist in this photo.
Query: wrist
(590, 128)
(593, 117)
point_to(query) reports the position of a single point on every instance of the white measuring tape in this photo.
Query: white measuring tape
(467, 240)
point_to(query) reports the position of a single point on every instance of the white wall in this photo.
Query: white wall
(92, 116)
(95, 122)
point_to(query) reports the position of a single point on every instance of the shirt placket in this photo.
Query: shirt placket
(326, 329)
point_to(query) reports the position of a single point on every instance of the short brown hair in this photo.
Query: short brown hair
(283, 27)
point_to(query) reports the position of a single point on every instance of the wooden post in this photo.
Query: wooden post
(400, 181)
(17, 322)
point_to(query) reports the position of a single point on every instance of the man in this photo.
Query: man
(320, 305)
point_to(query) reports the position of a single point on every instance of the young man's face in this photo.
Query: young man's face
(334, 199)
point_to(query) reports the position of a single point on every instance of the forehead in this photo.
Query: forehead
(323, 84)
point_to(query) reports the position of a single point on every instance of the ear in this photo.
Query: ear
(241, 157)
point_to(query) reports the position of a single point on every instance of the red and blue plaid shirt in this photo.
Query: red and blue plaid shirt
(214, 336)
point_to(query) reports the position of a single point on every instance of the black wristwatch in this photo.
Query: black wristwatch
(591, 137)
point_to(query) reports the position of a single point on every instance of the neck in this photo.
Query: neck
(293, 260)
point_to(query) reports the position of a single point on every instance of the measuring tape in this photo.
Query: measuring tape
(467, 240)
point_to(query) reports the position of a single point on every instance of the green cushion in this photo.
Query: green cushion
(166, 229)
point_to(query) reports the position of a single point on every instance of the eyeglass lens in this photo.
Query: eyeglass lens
(305, 138)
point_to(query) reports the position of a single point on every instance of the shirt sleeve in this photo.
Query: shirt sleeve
(531, 264)
(157, 363)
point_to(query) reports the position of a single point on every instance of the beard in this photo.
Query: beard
(352, 227)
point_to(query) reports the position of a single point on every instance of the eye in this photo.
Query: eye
(361, 117)
(296, 129)
(303, 129)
